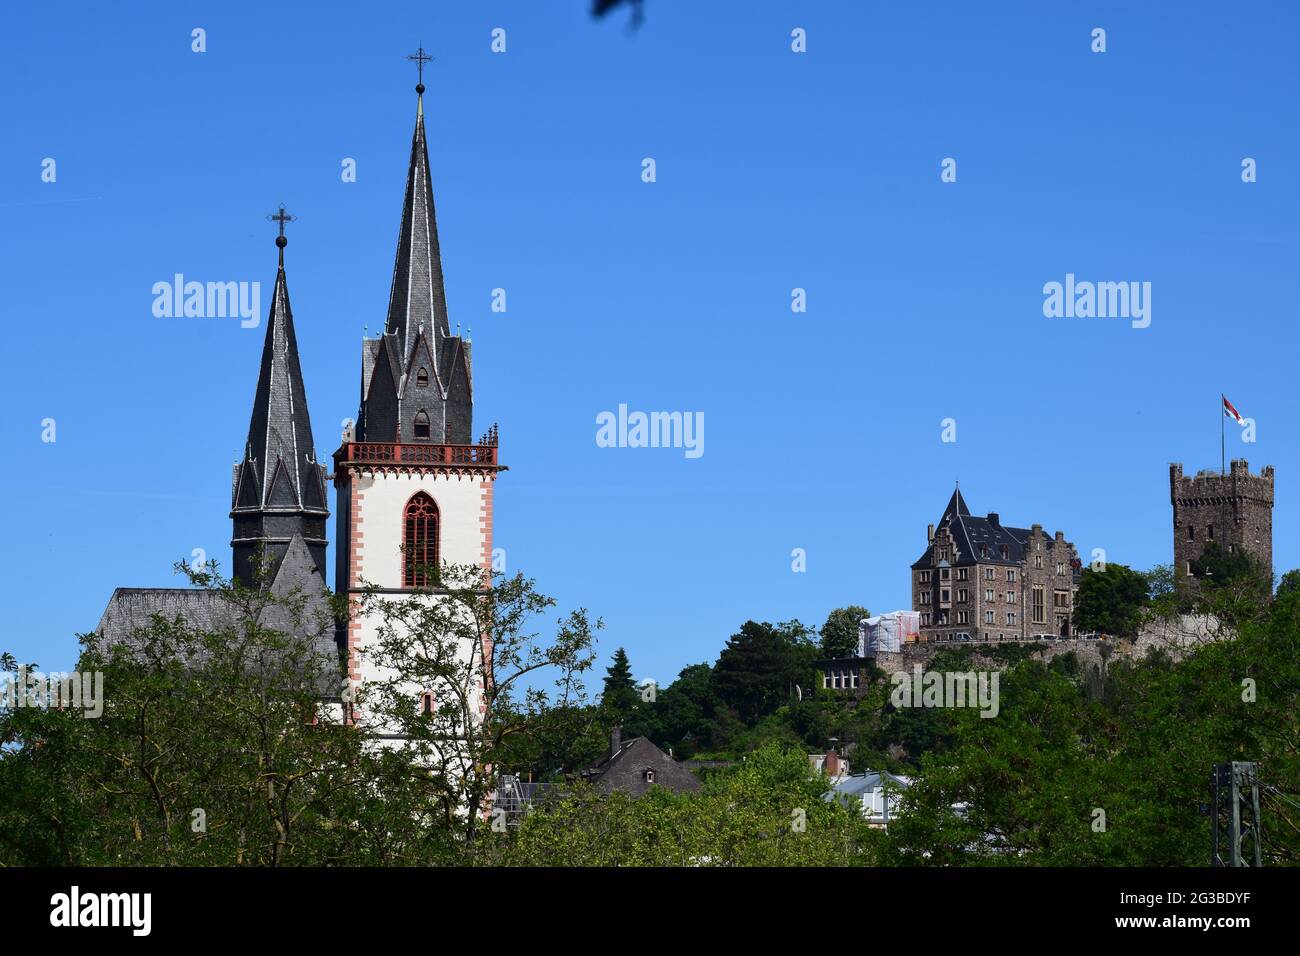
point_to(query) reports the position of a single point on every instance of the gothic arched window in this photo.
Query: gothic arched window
(422, 378)
(421, 425)
(420, 542)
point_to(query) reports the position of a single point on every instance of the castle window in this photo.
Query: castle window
(420, 543)
(422, 378)
(649, 776)
(1211, 533)
(1040, 614)
(1011, 576)
(426, 703)
(1191, 533)
(961, 572)
(962, 596)
(1011, 617)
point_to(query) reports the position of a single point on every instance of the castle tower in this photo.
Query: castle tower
(278, 490)
(413, 492)
(1234, 510)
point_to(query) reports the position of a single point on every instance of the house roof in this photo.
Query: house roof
(625, 769)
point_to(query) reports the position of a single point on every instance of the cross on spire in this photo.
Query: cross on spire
(420, 58)
(281, 217)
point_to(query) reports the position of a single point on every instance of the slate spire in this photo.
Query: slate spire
(417, 302)
(278, 489)
(416, 379)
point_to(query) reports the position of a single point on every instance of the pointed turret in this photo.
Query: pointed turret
(279, 489)
(956, 508)
(415, 379)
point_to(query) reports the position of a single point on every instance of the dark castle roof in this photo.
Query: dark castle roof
(279, 470)
(977, 540)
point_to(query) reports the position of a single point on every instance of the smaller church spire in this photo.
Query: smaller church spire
(278, 490)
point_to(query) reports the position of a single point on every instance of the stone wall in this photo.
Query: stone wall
(1174, 636)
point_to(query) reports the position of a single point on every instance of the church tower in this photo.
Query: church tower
(278, 491)
(413, 491)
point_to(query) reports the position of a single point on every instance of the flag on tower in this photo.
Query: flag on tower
(1231, 412)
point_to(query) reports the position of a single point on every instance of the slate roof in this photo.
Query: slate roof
(132, 609)
(625, 769)
(977, 540)
(417, 320)
(417, 301)
(279, 469)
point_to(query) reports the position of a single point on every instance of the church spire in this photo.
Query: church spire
(417, 302)
(278, 490)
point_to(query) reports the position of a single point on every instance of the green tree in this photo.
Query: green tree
(1110, 601)
(767, 811)
(476, 651)
(839, 635)
(620, 697)
(761, 665)
(1217, 569)
(231, 762)
(1290, 583)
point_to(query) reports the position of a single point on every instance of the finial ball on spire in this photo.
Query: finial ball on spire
(419, 57)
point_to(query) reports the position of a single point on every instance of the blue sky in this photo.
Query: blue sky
(775, 170)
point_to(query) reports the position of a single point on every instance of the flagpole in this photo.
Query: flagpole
(1223, 468)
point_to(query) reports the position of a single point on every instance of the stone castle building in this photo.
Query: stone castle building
(1234, 510)
(981, 580)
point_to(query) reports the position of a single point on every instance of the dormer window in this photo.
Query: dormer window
(422, 378)
(421, 425)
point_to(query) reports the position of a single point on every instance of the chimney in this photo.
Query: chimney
(615, 740)
(832, 764)
(993, 518)
(929, 534)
